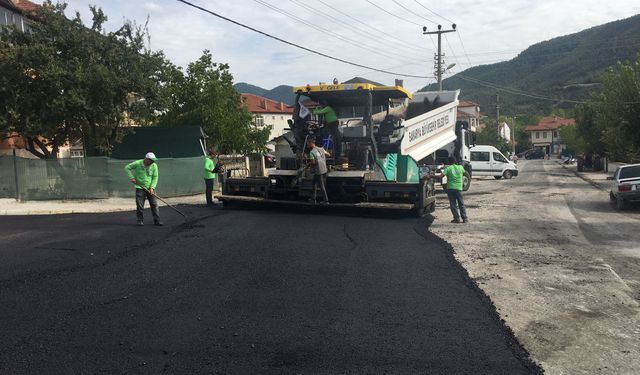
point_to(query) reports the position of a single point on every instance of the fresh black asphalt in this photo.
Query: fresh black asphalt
(244, 291)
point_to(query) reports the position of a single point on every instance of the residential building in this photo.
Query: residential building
(269, 112)
(546, 134)
(470, 112)
(504, 131)
(16, 12)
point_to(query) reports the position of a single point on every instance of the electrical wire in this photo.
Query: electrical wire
(529, 95)
(414, 13)
(205, 10)
(395, 38)
(357, 29)
(355, 43)
(391, 14)
(436, 14)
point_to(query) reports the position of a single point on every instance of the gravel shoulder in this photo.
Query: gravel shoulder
(561, 265)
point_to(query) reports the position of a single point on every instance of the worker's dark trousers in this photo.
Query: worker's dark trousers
(141, 195)
(320, 179)
(455, 201)
(208, 182)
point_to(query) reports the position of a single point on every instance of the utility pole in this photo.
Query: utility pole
(498, 113)
(513, 135)
(439, 55)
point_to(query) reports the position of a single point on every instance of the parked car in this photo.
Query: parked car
(269, 160)
(535, 154)
(626, 185)
(489, 161)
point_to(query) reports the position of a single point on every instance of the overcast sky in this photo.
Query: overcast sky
(383, 34)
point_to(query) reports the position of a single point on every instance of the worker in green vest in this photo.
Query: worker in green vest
(209, 175)
(455, 177)
(144, 175)
(330, 121)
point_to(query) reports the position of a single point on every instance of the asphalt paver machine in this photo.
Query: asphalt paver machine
(383, 132)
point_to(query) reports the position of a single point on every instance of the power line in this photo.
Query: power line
(414, 13)
(526, 94)
(338, 21)
(298, 45)
(353, 42)
(371, 27)
(436, 14)
(394, 15)
(464, 49)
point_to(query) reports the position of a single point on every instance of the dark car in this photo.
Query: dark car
(534, 154)
(269, 160)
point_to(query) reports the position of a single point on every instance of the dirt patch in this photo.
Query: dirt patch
(561, 269)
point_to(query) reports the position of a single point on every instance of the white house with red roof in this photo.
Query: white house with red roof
(470, 112)
(546, 134)
(269, 112)
(16, 12)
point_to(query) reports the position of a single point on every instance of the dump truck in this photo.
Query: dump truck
(383, 132)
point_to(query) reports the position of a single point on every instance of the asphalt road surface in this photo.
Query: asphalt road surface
(242, 292)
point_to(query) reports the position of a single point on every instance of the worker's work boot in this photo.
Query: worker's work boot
(158, 223)
(456, 220)
(140, 223)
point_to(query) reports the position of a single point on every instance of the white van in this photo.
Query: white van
(489, 161)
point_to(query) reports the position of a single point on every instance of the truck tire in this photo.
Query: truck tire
(508, 174)
(466, 181)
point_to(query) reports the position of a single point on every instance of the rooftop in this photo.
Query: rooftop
(260, 104)
(551, 123)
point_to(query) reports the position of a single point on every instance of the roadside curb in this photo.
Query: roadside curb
(592, 182)
(61, 212)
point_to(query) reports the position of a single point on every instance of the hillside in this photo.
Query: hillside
(282, 93)
(567, 67)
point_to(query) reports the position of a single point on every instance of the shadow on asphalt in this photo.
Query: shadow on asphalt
(370, 213)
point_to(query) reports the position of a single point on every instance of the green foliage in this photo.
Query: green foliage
(64, 81)
(205, 96)
(489, 136)
(610, 122)
(573, 139)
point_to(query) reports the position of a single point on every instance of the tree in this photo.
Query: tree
(618, 111)
(205, 96)
(610, 122)
(64, 81)
(489, 136)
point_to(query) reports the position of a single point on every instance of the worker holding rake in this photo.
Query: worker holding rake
(144, 175)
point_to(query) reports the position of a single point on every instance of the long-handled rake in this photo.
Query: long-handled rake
(165, 202)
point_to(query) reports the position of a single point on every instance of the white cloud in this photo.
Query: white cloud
(491, 30)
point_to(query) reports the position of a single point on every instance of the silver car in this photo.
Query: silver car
(626, 185)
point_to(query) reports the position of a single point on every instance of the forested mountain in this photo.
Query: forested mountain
(282, 93)
(567, 67)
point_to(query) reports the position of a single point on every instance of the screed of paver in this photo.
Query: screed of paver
(560, 264)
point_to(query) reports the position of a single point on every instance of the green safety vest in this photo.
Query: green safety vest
(145, 176)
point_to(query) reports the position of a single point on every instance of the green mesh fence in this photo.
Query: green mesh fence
(92, 177)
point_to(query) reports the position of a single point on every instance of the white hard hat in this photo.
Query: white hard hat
(151, 155)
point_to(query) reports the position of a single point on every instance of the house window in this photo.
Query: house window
(556, 134)
(537, 135)
(259, 120)
(281, 117)
(544, 134)
(273, 117)
(77, 153)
